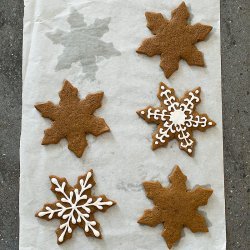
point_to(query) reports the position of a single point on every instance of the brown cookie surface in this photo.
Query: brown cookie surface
(75, 207)
(174, 39)
(176, 119)
(175, 207)
(73, 118)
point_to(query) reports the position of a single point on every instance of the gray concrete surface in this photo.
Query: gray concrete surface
(235, 17)
(235, 28)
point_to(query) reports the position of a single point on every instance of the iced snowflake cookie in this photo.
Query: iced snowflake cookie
(175, 207)
(176, 119)
(73, 118)
(75, 207)
(174, 39)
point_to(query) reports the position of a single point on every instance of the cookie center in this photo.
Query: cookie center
(74, 206)
(177, 117)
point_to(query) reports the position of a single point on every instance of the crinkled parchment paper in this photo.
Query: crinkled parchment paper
(57, 47)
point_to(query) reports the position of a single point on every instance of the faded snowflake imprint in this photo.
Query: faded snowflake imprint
(83, 44)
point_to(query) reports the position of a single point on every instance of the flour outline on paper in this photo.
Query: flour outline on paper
(82, 43)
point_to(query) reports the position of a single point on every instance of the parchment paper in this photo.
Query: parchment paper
(122, 159)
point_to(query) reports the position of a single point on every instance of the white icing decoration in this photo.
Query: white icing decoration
(169, 100)
(68, 213)
(157, 114)
(177, 117)
(189, 102)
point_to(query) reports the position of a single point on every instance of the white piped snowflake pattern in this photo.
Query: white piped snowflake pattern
(75, 207)
(176, 119)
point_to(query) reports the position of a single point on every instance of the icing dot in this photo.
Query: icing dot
(189, 150)
(54, 181)
(142, 112)
(197, 91)
(89, 175)
(210, 123)
(96, 233)
(156, 142)
(162, 87)
(60, 239)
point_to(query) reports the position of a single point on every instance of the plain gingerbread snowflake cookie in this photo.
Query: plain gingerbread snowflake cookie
(75, 207)
(175, 207)
(176, 119)
(174, 39)
(73, 118)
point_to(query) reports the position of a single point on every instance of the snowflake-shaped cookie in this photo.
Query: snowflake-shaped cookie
(175, 207)
(176, 118)
(75, 207)
(73, 118)
(174, 39)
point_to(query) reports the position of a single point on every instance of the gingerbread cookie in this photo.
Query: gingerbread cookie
(176, 119)
(174, 39)
(175, 207)
(73, 118)
(75, 206)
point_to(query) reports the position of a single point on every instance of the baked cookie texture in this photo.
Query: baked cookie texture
(174, 39)
(175, 207)
(73, 118)
(176, 118)
(75, 207)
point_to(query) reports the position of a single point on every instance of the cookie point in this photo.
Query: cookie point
(183, 4)
(110, 203)
(113, 203)
(39, 214)
(67, 82)
(139, 50)
(97, 233)
(140, 112)
(209, 27)
(162, 85)
(101, 93)
(60, 239)
(154, 146)
(175, 169)
(53, 180)
(37, 106)
(78, 154)
(90, 173)
(210, 191)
